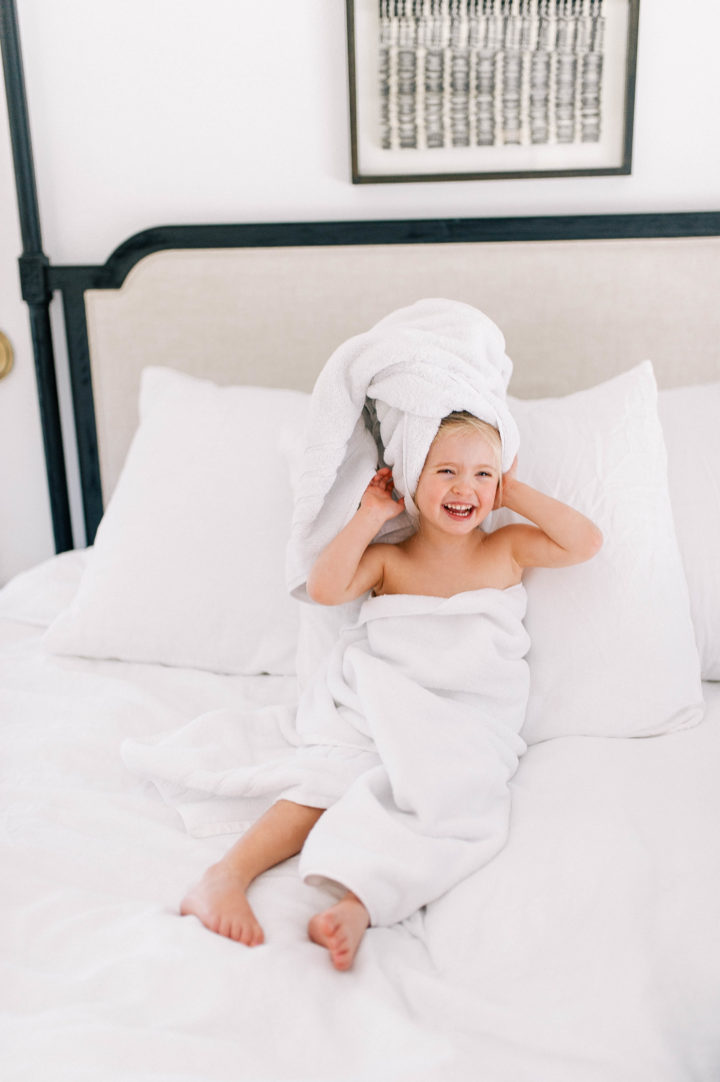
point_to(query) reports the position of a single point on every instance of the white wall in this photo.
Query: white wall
(153, 112)
(25, 526)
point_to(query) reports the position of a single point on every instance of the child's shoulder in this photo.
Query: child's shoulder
(386, 548)
(501, 546)
(395, 556)
(505, 535)
(388, 551)
(500, 536)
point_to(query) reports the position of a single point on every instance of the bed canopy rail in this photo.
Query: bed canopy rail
(34, 283)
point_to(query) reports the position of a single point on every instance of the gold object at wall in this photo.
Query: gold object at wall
(6, 355)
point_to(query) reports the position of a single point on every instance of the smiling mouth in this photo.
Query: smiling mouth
(459, 510)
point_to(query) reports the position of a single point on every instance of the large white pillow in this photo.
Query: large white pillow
(613, 650)
(690, 418)
(188, 566)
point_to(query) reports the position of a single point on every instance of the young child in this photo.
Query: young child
(460, 484)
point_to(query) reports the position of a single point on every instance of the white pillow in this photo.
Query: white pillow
(613, 650)
(690, 418)
(188, 566)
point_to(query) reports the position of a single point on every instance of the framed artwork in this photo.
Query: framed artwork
(488, 89)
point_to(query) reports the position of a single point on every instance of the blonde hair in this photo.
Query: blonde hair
(461, 419)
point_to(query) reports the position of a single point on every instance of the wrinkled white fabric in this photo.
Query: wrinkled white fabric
(587, 950)
(408, 735)
(434, 689)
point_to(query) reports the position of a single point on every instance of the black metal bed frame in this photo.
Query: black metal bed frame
(40, 279)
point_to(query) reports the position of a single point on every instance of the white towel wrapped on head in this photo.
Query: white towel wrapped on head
(394, 383)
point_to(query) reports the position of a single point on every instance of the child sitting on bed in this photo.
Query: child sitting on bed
(460, 484)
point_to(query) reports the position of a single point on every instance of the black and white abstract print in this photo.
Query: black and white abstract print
(483, 73)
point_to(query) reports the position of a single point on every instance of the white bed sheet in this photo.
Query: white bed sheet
(587, 951)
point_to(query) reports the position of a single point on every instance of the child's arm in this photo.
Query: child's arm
(561, 535)
(350, 565)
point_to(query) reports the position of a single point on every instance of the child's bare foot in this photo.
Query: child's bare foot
(340, 929)
(219, 901)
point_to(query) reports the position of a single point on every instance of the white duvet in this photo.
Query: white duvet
(588, 950)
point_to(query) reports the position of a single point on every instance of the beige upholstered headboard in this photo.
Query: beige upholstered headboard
(573, 313)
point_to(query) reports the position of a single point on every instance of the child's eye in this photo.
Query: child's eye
(445, 470)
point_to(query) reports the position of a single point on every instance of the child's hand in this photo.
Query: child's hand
(378, 496)
(507, 480)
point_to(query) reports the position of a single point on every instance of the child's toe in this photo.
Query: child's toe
(246, 935)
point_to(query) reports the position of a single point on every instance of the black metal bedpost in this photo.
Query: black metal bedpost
(33, 276)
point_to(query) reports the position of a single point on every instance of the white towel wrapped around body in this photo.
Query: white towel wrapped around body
(391, 386)
(432, 693)
(408, 735)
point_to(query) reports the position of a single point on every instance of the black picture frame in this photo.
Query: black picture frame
(401, 105)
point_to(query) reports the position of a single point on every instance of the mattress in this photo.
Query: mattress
(586, 951)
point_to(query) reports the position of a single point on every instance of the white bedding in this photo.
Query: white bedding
(588, 950)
